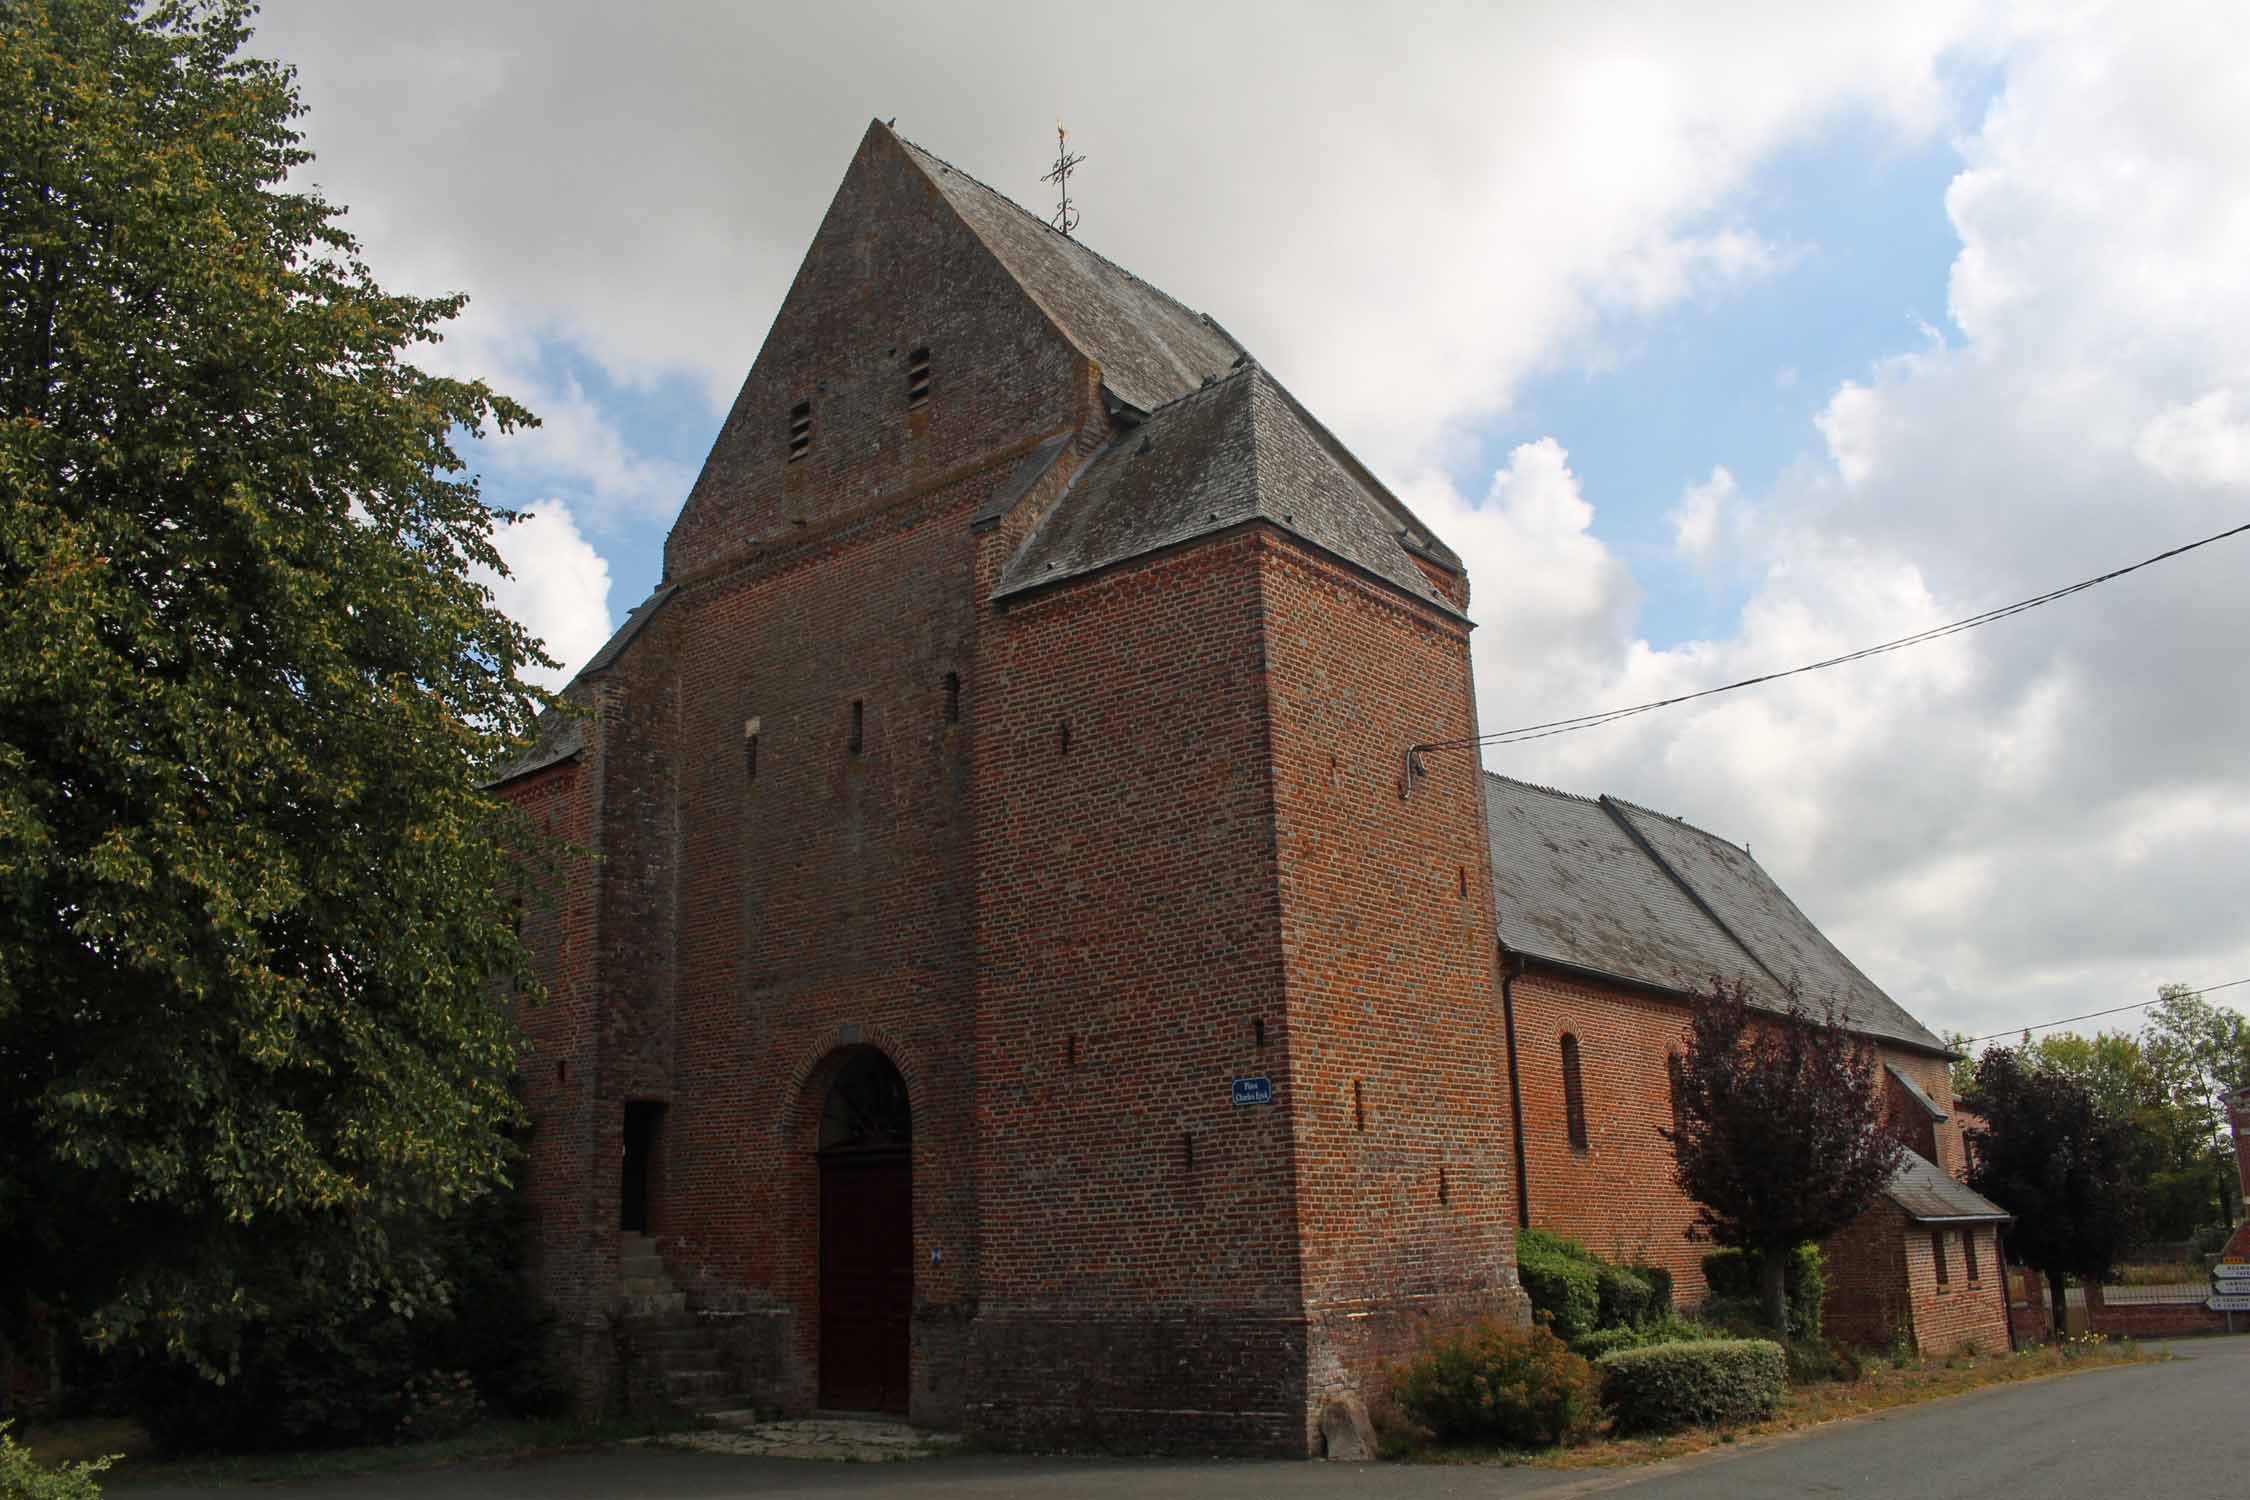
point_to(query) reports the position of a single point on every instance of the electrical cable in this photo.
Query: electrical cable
(1524, 732)
(2090, 1015)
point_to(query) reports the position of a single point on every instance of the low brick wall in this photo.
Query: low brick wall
(2155, 1320)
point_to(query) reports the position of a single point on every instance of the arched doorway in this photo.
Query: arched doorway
(866, 1237)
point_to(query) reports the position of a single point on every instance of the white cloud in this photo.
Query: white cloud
(2201, 443)
(557, 588)
(643, 180)
(1702, 510)
(2044, 816)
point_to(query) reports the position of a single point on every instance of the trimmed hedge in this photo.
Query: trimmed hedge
(1710, 1383)
(1496, 1384)
(1669, 1329)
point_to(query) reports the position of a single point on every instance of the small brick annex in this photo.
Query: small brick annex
(932, 744)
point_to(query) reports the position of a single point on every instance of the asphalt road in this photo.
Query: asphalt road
(2179, 1430)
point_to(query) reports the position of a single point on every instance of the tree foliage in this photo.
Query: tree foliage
(1780, 1136)
(2048, 1153)
(252, 902)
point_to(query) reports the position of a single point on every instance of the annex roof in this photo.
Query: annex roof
(1929, 1196)
(557, 736)
(1614, 889)
(1914, 1092)
(1239, 449)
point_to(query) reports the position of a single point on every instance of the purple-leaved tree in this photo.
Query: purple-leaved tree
(1779, 1134)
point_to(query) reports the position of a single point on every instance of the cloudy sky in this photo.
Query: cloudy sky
(1717, 338)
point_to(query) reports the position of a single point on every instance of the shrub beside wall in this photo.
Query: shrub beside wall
(1732, 1276)
(1492, 1383)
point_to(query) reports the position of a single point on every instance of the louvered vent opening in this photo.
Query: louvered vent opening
(918, 376)
(800, 430)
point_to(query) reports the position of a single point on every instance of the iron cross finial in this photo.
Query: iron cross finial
(1066, 217)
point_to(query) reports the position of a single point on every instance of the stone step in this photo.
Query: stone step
(646, 1286)
(734, 1416)
(691, 1385)
(652, 1303)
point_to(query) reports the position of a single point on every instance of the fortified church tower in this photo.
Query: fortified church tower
(1009, 987)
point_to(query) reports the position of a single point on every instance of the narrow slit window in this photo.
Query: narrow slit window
(1574, 1092)
(1937, 1250)
(1258, 1031)
(953, 697)
(918, 376)
(858, 740)
(1359, 1105)
(1969, 1252)
(1187, 1144)
(1443, 1194)
(1062, 737)
(800, 430)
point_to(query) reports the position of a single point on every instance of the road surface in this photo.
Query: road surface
(2176, 1430)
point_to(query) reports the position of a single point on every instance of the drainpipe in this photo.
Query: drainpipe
(1510, 971)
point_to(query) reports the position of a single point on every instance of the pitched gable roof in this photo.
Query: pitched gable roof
(1614, 889)
(1151, 348)
(1239, 449)
(1929, 1196)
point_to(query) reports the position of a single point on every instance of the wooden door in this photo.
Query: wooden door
(866, 1280)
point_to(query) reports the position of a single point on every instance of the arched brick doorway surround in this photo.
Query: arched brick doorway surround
(866, 1186)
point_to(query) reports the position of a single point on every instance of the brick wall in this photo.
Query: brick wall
(1961, 1311)
(1404, 1177)
(1617, 1193)
(1136, 1222)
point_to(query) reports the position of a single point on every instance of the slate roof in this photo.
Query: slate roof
(1151, 348)
(1914, 1092)
(556, 737)
(1239, 449)
(1614, 889)
(1929, 1196)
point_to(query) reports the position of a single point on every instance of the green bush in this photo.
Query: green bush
(1733, 1274)
(1669, 1329)
(1568, 1292)
(1626, 1300)
(24, 1478)
(1659, 1287)
(1495, 1384)
(333, 1374)
(1710, 1383)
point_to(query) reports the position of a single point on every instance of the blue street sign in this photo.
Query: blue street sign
(1253, 1091)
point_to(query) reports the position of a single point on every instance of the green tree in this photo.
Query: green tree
(254, 909)
(1779, 1137)
(2199, 1051)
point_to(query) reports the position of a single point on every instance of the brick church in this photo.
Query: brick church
(1007, 985)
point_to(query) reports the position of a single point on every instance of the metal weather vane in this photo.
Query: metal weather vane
(1066, 217)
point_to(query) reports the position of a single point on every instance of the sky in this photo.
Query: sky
(1717, 339)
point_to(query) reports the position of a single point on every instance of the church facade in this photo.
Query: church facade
(1016, 976)
(1006, 985)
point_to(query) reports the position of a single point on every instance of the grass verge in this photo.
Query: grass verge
(1883, 1387)
(66, 1442)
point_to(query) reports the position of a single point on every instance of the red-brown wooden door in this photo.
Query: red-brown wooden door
(866, 1279)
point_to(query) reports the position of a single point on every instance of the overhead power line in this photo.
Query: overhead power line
(2090, 1015)
(1523, 732)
